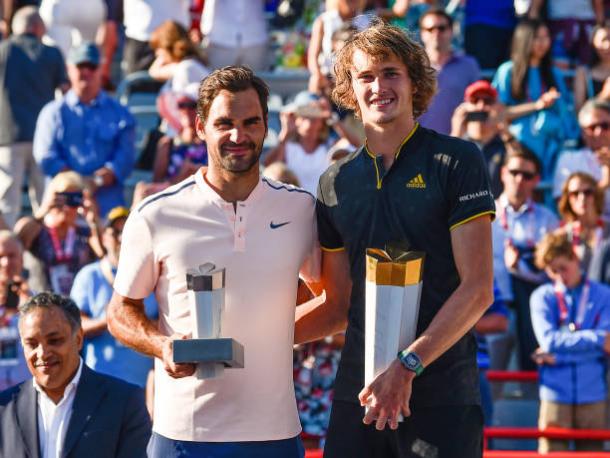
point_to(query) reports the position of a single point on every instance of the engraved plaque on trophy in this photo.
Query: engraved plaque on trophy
(211, 352)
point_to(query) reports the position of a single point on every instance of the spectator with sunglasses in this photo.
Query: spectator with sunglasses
(571, 319)
(594, 157)
(455, 71)
(520, 224)
(480, 119)
(87, 132)
(58, 240)
(581, 205)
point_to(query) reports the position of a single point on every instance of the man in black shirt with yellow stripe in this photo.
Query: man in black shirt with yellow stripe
(407, 184)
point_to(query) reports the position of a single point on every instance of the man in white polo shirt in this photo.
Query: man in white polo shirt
(263, 233)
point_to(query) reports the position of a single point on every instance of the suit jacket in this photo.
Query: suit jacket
(109, 419)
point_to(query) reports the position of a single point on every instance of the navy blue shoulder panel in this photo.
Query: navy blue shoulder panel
(164, 194)
(280, 186)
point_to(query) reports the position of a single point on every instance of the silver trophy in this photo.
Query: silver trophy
(211, 352)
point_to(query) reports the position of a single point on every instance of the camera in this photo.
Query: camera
(72, 199)
(477, 116)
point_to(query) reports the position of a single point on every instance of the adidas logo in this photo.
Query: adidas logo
(417, 182)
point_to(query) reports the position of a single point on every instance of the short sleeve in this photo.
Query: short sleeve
(311, 267)
(468, 188)
(501, 82)
(138, 271)
(329, 237)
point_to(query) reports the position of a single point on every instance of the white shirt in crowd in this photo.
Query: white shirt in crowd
(53, 419)
(263, 243)
(234, 23)
(307, 166)
(141, 17)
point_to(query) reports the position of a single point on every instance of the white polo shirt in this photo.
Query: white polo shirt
(263, 246)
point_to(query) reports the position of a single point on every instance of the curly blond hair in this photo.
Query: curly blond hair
(380, 41)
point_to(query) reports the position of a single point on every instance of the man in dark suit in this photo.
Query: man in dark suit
(67, 410)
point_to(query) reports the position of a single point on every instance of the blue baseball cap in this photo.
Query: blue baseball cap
(86, 52)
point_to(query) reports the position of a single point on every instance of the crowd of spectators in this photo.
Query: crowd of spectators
(528, 81)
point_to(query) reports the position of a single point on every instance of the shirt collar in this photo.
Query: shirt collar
(400, 147)
(72, 99)
(69, 388)
(528, 205)
(215, 198)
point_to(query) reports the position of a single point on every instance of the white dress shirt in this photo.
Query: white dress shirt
(53, 419)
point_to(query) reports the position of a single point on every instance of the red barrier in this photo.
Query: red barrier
(550, 433)
(313, 453)
(526, 454)
(512, 376)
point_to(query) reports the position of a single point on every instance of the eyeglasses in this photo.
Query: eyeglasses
(440, 28)
(603, 126)
(524, 173)
(585, 192)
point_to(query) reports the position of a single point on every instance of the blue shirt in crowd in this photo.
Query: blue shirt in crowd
(103, 353)
(452, 80)
(497, 307)
(545, 131)
(85, 137)
(579, 375)
(524, 228)
(499, 13)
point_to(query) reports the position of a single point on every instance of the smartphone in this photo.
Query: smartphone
(477, 116)
(73, 199)
(12, 298)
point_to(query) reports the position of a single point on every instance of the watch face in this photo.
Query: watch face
(411, 361)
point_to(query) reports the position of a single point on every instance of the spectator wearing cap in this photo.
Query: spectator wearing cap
(29, 74)
(455, 71)
(87, 132)
(91, 291)
(303, 140)
(594, 157)
(480, 119)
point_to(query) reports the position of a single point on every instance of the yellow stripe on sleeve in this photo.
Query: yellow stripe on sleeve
(488, 212)
(332, 250)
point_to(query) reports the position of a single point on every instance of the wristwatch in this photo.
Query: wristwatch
(411, 361)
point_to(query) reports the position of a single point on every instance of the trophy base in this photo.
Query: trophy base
(225, 351)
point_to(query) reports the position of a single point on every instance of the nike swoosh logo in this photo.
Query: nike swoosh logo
(275, 226)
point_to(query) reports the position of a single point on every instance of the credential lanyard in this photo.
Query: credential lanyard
(61, 254)
(563, 309)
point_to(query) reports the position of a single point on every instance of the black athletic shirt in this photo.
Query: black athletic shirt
(435, 184)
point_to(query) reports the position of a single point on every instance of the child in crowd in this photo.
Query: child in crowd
(571, 320)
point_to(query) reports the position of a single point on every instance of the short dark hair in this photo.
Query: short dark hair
(435, 11)
(49, 299)
(232, 79)
(514, 149)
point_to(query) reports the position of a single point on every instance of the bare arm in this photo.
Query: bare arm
(598, 8)
(389, 394)
(492, 323)
(161, 159)
(93, 327)
(128, 322)
(313, 322)
(535, 9)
